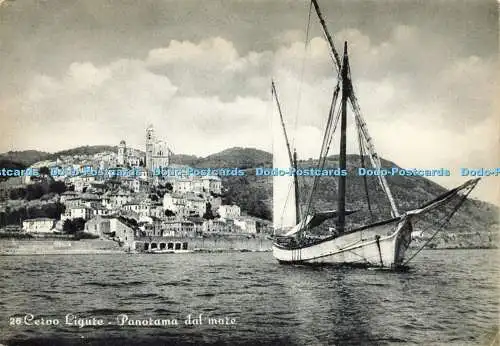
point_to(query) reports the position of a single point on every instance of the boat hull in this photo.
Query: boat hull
(380, 245)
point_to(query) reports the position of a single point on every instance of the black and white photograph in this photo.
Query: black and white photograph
(249, 172)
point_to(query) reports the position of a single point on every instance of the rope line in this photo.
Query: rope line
(446, 219)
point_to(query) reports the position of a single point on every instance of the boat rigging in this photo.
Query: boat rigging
(381, 243)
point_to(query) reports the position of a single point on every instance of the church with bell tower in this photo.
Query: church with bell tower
(157, 151)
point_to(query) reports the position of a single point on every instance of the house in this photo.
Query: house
(115, 200)
(114, 226)
(151, 226)
(212, 184)
(133, 160)
(173, 202)
(81, 182)
(68, 195)
(100, 210)
(131, 206)
(97, 186)
(183, 185)
(135, 184)
(229, 211)
(98, 225)
(90, 200)
(77, 211)
(216, 226)
(39, 225)
(157, 211)
(196, 204)
(124, 231)
(179, 228)
(72, 202)
(246, 225)
(142, 207)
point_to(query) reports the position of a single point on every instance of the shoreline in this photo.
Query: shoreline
(120, 252)
(58, 246)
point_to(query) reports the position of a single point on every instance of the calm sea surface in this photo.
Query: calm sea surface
(448, 297)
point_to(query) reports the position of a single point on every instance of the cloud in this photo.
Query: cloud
(212, 67)
(213, 53)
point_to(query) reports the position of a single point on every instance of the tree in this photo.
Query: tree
(17, 193)
(69, 227)
(79, 223)
(44, 171)
(169, 212)
(73, 226)
(34, 191)
(208, 213)
(57, 187)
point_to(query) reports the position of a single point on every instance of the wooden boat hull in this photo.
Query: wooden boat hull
(379, 245)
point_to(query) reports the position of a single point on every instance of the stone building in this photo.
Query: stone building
(157, 151)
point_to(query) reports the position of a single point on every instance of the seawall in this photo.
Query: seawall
(57, 247)
(41, 246)
(213, 243)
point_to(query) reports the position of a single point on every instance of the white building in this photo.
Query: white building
(142, 207)
(122, 153)
(212, 184)
(115, 200)
(68, 195)
(81, 182)
(196, 204)
(39, 225)
(246, 225)
(173, 202)
(133, 161)
(229, 211)
(157, 151)
(184, 205)
(75, 212)
(183, 185)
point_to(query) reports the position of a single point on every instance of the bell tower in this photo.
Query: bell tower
(150, 139)
(122, 153)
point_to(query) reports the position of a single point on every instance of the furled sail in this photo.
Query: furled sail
(284, 212)
(444, 198)
(315, 220)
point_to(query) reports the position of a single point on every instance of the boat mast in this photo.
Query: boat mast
(296, 186)
(343, 130)
(336, 56)
(275, 94)
(293, 159)
(374, 158)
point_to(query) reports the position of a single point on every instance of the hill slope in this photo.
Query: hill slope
(24, 158)
(236, 157)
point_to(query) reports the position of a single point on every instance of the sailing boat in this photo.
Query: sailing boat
(373, 244)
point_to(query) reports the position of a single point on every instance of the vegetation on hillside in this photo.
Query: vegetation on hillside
(230, 158)
(24, 158)
(15, 216)
(37, 190)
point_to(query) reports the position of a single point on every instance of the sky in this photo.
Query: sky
(94, 72)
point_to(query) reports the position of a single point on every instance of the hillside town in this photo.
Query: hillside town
(139, 211)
